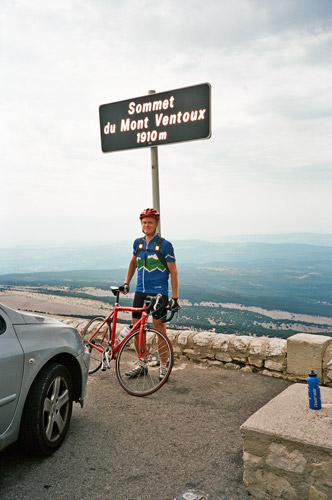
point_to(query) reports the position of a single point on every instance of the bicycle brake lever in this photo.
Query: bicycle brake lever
(156, 304)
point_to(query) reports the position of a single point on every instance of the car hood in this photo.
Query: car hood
(23, 318)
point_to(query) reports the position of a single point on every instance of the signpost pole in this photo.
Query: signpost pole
(155, 176)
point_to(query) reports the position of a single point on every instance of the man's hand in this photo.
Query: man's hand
(124, 288)
(174, 305)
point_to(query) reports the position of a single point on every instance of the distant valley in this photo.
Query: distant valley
(116, 255)
(249, 288)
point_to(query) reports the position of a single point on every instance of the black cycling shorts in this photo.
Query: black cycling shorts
(139, 302)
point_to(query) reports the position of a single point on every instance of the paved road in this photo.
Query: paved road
(184, 437)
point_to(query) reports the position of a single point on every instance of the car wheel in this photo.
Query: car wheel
(47, 412)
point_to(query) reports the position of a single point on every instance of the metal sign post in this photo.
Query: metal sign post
(155, 176)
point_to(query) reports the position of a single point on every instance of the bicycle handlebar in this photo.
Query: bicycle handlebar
(166, 320)
(152, 304)
(116, 290)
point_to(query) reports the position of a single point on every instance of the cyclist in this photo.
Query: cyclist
(154, 259)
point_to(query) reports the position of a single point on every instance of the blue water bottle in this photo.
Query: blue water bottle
(314, 391)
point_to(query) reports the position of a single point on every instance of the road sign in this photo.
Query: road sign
(156, 119)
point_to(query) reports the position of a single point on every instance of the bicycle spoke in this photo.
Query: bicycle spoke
(136, 377)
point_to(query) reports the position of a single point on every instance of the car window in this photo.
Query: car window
(2, 325)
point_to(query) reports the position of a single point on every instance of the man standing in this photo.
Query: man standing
(154, 259)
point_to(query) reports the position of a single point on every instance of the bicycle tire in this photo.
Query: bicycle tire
(102, 340)
(127, 358)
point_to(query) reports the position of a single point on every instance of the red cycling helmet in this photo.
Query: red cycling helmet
(150, 212)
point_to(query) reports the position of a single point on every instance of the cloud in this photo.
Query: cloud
(270, 69)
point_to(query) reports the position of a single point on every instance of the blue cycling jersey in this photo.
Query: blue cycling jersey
(152, 274)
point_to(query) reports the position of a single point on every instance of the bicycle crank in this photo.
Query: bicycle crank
(107, 358)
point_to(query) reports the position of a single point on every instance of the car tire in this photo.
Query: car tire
(47, 412)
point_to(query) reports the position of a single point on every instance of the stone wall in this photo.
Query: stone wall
(291, 359)
(237, 352)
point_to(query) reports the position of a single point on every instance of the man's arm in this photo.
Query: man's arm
(174, 279)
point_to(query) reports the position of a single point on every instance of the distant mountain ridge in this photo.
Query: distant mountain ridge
(231, 287)
(117, 255)
(320, 239)
(209, 253)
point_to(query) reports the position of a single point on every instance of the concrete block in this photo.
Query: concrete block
(288, 416)
(327, 365)
(305, 353)
(288, 447)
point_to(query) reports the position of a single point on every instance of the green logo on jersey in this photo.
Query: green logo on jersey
(152, 263)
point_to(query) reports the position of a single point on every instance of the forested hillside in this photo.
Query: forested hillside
(254, 288)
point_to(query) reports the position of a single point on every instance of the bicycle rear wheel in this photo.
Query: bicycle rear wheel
(156, 347)
(101, 340)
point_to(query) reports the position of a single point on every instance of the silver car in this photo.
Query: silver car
(43, 369)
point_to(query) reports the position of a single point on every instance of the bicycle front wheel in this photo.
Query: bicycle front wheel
(101, 340)
(156, 349)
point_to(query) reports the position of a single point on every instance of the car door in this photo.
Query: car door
(11, 371)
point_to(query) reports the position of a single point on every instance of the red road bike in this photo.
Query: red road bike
(142, 344)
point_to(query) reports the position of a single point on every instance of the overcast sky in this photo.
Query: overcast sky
(266, 169)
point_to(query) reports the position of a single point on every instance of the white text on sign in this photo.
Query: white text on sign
(160, 119)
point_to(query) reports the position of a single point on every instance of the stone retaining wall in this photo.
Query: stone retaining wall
(291, 359)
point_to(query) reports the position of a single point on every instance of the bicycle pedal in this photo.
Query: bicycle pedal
(106, 365)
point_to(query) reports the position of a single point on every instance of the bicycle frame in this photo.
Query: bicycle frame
(143, 358)
(112, 318)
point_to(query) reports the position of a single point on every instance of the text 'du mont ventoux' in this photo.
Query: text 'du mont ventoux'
(159, 119)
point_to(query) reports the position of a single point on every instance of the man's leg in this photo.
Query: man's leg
(141, 367)
(159, 325)
(134, 321)
(138, 302)
(162, 347)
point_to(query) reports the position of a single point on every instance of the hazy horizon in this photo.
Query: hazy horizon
(116, 254)
(266, 168)
(320, 239)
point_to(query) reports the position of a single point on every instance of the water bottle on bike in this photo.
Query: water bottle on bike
(124, 332)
